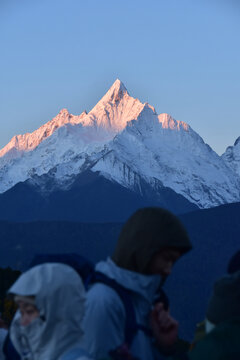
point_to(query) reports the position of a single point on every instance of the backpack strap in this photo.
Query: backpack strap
(131, 326)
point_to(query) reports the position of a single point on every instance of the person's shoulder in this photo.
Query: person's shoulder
(103, 301)
(104, 295)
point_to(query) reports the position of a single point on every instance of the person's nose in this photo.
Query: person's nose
(24, 320)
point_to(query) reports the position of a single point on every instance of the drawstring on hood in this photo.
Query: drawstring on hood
(148, 231)
(60, 298)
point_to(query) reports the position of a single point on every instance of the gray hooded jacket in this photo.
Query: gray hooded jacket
(104, 319)
(60, 298)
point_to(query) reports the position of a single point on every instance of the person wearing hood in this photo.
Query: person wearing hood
(222, 323)
(48, 323)
(149, 244)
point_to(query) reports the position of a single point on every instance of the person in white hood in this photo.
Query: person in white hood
(48, 323)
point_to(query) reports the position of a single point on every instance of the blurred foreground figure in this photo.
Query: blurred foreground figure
(148, 246)
(48, 324)
(222, 324)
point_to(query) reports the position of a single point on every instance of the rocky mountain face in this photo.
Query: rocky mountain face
(126, 142)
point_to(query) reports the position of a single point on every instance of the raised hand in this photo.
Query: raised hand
(164, 327)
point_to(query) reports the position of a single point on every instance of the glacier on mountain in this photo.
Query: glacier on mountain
(126, 141)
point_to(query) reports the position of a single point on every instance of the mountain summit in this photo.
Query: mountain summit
(115, 109)
(29, 141)
(128, 143)
(116, 92)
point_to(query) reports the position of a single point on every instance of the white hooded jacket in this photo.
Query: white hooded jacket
(60, 298)
(104, 318)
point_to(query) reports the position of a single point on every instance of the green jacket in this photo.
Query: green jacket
(222, 343)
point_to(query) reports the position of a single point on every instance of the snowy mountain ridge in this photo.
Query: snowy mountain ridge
(29, 141)
(111, 113)
(126, 141)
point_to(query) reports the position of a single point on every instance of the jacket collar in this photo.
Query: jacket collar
(144, 285)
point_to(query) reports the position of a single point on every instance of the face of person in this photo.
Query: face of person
(163, 261)
(28, 312)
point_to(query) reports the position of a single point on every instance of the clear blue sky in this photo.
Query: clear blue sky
(182, 56)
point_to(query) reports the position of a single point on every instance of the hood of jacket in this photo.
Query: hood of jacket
(143, 286)
(60, 298)
(147, 232)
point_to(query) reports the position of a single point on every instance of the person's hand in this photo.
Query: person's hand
(164, 327)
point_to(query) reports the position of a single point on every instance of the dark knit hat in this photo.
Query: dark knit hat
(224, 304)
(146, 232)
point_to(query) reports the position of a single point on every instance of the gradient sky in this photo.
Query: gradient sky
(183, 57)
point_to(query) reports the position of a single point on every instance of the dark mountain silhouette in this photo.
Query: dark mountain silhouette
(91, 198)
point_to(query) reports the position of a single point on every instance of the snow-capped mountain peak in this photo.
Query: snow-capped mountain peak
(110, 115)
(115, 109)
(116, 92)
(126, 141)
